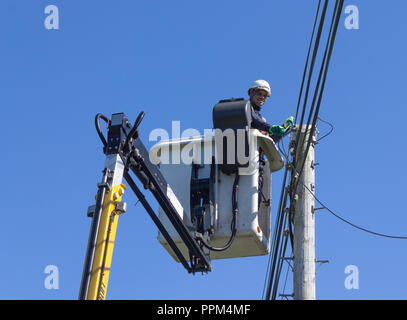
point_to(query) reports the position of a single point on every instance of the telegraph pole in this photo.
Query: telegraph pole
(304, 220)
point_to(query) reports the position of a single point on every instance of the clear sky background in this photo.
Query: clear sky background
(175, 60)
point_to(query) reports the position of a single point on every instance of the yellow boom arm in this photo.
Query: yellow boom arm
(105, 243)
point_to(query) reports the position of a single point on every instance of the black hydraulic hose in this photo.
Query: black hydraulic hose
(97, 125)
(133, 132)
(92, 242)
(233, 226)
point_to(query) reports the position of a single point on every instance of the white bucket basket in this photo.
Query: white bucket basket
(175, 158)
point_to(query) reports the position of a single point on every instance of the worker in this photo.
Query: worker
(258, 92)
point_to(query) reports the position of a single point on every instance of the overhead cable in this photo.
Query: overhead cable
(350, 223)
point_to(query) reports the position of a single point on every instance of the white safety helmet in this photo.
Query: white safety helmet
(260, 84)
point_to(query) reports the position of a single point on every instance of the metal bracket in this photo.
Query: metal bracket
(313, 164)
(321, 262)
(91, 211)
(119, 207)
(315, 209)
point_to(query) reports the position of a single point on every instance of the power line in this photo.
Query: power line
(284, 217)
(306, 62)
(322, 76)
(341, 218)
(276, 250)
(286, 275)
(350, 223)
(279, 244)
(330, 131)
(314, 55)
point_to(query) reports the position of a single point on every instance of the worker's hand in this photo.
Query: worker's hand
(289, 122)
(277, 131)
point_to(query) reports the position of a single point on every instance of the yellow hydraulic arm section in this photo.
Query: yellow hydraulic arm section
(105, 212)
(112, 207)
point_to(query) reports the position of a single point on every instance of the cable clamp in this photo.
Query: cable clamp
(104, 185)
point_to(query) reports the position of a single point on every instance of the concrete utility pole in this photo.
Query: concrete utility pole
(304, 222)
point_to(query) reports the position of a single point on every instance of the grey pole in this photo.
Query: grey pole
(304, 222)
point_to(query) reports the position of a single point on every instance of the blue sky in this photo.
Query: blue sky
(175, 60)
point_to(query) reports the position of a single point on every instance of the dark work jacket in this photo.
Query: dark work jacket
(259, 123)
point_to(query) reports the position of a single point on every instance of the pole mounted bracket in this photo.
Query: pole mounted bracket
(313, 164)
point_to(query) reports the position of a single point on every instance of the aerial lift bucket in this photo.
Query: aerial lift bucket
(201, 163)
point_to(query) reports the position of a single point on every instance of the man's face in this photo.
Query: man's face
(259, 97)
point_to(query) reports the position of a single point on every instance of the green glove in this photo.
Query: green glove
(277, 131)
(289, 122)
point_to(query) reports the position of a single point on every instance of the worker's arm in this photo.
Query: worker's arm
(259, 123)
(275, 132)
